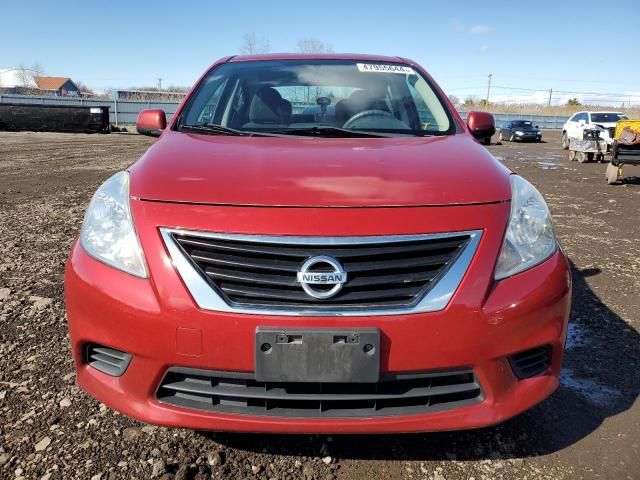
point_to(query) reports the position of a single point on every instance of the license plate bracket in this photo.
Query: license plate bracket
(350, 355)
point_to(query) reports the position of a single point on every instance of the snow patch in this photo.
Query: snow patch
(589, 389)
(575, 336)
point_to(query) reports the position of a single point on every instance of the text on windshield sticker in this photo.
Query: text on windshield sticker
(376, 68)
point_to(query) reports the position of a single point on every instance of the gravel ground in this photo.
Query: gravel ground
(590, 428)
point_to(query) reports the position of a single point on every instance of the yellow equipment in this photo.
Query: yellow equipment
(626, 149)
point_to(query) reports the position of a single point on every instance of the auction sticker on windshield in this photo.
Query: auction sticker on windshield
(371, 67)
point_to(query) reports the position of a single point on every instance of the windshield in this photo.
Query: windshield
(521, 123)
(294, 96)
(607, 117)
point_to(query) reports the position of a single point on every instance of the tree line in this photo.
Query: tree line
(252, 45)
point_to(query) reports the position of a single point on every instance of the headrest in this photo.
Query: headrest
(268, 106)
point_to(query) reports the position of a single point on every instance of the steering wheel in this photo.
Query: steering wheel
(366, 113)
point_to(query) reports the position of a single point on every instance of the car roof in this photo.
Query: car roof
(316, 56)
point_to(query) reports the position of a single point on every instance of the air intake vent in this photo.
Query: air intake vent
(531, 362)
(239, 393)
(107, 360)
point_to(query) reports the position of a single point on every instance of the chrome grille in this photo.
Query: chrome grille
(261, 272)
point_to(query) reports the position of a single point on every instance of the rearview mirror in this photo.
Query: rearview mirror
(481, 125)
(151, 122)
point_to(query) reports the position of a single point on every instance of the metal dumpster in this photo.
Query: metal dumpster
(53, 118)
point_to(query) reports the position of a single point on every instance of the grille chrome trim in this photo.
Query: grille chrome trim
(437, 298)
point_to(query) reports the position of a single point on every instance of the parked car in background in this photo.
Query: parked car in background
(358, 269)
(520, 130)
(604, 121)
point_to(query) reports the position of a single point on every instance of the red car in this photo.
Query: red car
(317, 243)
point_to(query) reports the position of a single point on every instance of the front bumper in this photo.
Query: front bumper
(529, 136)
(158, 323)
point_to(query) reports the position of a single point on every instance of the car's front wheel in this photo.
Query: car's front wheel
(564, 141)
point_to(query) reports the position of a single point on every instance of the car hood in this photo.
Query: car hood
(319, 172)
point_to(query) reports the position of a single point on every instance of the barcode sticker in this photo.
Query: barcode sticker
(377, 68)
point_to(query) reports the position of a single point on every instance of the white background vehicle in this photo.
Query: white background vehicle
(584, 120)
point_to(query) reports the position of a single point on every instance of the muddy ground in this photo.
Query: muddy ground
(590, 428)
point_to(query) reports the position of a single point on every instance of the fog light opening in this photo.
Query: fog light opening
(107, 360)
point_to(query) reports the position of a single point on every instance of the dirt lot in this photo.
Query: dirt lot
(590, 428)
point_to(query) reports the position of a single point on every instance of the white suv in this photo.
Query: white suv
(580, 121)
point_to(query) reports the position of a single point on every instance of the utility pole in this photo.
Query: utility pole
(486, 103)
(550, 93)
(159, 84)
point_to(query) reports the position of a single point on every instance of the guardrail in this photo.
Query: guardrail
(542, 121)
(126, 111)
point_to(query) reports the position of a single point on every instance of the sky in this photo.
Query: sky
(574, 47)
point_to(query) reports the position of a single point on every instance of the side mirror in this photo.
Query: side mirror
(151, 122)
(581, 122)
(481, 125)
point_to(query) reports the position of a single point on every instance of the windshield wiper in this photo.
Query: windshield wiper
(328, 131)
(213, 129)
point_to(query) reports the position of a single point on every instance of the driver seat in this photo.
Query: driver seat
(358, 101)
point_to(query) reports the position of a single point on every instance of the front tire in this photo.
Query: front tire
(581, 157)
(572, 155)
(564, 141)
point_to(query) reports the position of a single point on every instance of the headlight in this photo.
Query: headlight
(107, 232)
(518, 132)
(538, 133)
(529, 239)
